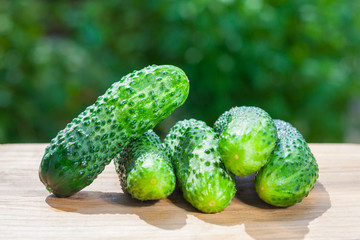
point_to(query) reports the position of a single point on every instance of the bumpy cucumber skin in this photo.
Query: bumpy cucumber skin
(291, 172)
(205, 182)
(247, 138)
(144, 168)
(129, 107)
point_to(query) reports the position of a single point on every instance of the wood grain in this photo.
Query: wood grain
(103, 211)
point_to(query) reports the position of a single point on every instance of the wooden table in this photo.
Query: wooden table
(103, 211)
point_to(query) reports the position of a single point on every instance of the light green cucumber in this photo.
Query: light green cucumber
(247, 138)
(202, 177)
(144, 168)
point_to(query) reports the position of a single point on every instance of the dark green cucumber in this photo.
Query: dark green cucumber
(206, 184)
(144, 168)
(247, 138)
(129, 107)
(291, 172)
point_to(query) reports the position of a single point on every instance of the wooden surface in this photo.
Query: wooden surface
(103, 211)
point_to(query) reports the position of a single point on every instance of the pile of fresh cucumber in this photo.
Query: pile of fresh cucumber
(201, 160)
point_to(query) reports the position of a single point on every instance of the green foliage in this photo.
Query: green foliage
(298, 60)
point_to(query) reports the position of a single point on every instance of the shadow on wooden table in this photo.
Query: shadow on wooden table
(261, 220)
(157, 213)
(265, 221)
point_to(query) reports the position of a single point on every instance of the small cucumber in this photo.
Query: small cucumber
(129, 108)
(291, 172)
(193, 149)
(144, 168)
(247, 138)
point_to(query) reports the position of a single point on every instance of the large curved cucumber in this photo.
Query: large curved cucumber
(291, 172)
(193, 149)
(129, 107)
(144, 168)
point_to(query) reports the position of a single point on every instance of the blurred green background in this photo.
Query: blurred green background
(299, 60)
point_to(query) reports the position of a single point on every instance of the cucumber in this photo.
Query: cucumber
(144, 168)
(247, 138)
(202, 177)
(128, 108)
(291, 172)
